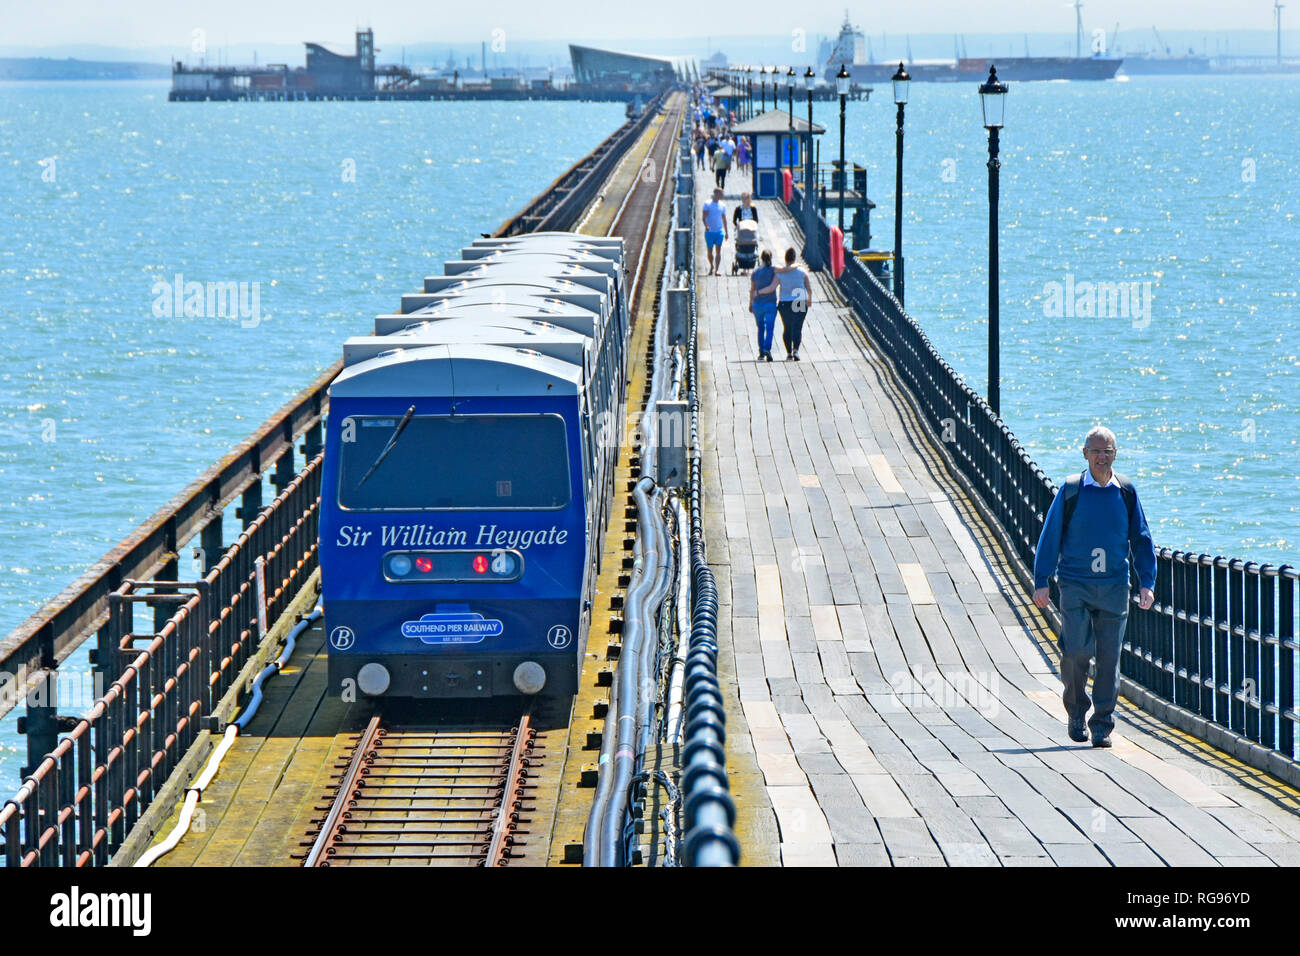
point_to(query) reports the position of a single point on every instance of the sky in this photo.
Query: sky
(153, 24)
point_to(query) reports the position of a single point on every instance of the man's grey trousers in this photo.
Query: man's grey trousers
(1093, 618)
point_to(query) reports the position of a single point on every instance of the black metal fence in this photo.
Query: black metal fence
(77, 805)
(1220, 639)
(706, 793)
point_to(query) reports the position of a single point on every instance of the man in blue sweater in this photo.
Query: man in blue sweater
(1094, 522)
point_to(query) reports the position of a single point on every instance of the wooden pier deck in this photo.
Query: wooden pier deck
(895, 696)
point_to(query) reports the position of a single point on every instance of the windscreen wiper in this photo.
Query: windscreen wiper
(397, 433)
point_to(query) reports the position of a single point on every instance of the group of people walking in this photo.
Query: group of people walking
(714, 146)
(783, 290)
(773, 290)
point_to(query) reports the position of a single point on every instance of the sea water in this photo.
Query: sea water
(317, 216)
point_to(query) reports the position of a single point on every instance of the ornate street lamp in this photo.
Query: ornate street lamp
(993, 101)
(811, 251)
(842, 88)
(901, 83)
(789, 94)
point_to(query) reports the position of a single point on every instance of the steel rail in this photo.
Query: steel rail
(329, 831)
(511, 796)
(386, 808)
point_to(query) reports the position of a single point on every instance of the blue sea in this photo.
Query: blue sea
(1185, 187)
(329, 210)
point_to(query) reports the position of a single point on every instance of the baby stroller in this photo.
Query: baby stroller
(746, 247)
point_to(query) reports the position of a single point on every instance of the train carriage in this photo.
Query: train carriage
(468, 478)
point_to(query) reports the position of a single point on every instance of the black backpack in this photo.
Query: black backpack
(1071, 500)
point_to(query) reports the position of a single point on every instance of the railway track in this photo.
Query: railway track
(634, 220)
(431, 797)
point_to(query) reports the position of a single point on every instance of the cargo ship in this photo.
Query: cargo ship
(848, 50)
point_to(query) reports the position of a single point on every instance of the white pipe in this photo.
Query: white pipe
(194, 792)
(675, 688)
(192, 795)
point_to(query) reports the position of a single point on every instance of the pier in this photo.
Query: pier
(867, 681)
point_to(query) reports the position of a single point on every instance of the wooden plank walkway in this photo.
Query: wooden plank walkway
(898, 691)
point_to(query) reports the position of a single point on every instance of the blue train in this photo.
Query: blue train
(468, 475)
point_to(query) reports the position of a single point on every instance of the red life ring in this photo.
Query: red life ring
(787, 185)
(837, 251)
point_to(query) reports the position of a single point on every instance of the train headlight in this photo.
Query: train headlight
(452, 565)
(530, 677)
(373, 679)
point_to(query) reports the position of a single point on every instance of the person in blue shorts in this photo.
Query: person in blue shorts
(763, 286)
(715, 231)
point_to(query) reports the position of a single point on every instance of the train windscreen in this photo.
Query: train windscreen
(453, 462)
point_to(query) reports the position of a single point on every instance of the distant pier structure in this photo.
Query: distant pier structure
(599, 75)
(327, 75)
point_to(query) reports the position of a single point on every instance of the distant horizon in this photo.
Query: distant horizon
(755, 47)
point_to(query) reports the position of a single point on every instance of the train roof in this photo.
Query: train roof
(525, 255)
(524, 269)
(573, 317)
(563, 344)
(457, 370)
(612, 246)
(501, 289)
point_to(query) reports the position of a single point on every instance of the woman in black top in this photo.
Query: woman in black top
(746, 210)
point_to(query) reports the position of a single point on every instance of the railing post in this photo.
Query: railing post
(211, 543)
(1286, 607)
(1251, 681)
(1205, 634)
(284, 469)
(313, 440)
(1236, 646)
(40, 725)
(250, 504)
(1222, 680)
(1268, 658)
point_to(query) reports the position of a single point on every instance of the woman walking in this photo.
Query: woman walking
(763, 286)
(794, 300)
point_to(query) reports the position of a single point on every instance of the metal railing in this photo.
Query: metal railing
(1220, 640)
(79, 802)
(49, 636)
(710, 812)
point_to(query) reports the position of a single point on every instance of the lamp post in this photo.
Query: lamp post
(842, 88)
(789, 95)
(993, 101)
(811, 250)
(901, 83)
